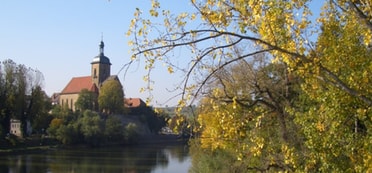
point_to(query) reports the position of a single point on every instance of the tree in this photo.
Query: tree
(226, 24)
(38, 109)
(65, 125)
(3, 117)
(114, 129)
(54, 125)
(92, 128)
(340, 129)
(9, 94)
(111, 97)
(131, 133)
(87, 100)
(21, 94)
(154, 119)
(285, 30)
(244, 115)
(67, 134)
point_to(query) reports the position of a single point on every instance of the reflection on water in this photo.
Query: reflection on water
(142, 159)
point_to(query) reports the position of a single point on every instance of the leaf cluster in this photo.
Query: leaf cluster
(305, 106)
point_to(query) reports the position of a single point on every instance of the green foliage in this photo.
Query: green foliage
(38, 110)
(205, 161)
(13, 140)
(131, 133)
(155, 122)
(54, 125)
(87, 100)
(152, 118)
(67, 134)
(111, 97)
(21, 96)
(91, 127)
(336, 125)
(2, 132)
(114, 129)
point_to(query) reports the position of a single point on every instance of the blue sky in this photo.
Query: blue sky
(60, 39)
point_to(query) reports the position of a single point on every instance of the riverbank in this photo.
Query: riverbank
(24, 150)
(161, 139)
(35, 144)
(15, 145)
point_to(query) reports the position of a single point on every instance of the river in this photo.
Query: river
(133, 159)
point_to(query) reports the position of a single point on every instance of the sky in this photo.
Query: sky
(61, 38)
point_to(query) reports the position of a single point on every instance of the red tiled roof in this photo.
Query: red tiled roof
(76, 84)
(133, 102)
(93, 88)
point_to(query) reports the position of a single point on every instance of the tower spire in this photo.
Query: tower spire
(101, 45)
(100, 66)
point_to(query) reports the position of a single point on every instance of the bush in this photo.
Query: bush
(114, 129)
(12, 139)
(131, 135)
(91, 127)
(67, 134)
(53, 127)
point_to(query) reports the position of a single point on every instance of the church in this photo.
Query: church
(100, 72)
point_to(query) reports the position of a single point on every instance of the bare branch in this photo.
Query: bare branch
(201, 57)
(225, 64)
(362, 16)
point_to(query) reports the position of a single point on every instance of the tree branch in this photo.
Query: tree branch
(338, 82)
(225, 64)
(362, 16)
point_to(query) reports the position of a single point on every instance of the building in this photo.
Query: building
(134, 103)
(55, 99)
(16, 129)
(100, 72)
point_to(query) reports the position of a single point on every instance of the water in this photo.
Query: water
(139, 159)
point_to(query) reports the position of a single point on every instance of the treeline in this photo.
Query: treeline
(22, 97)
(90, 128)
(97, 120)
(96, 129)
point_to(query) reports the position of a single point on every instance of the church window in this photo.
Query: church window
(95, 73)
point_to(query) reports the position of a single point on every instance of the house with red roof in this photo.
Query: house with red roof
(134, 103)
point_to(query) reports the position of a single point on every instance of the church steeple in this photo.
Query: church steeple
(101, 48)
(100, 66)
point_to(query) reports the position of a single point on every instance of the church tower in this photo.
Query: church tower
(100, 67)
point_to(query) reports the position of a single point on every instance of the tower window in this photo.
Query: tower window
(95, 73)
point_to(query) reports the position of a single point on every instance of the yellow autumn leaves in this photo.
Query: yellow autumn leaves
(324, 112)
